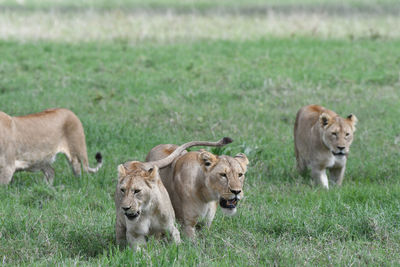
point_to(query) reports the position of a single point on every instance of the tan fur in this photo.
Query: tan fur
(31, 143)
(322, 141)
(141, 193)
(195, 184)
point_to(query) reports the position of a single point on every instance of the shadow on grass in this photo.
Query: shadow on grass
(41, 222)
(87, 244)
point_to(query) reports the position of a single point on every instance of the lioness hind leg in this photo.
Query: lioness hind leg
(337, 175)
(76, 166)
(74, 162)
(49, 173)
(6, 174)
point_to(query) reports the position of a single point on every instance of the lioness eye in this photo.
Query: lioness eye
(347, 134)
(207, 163)
(334, 134)
(137, 191)
(223, 174)
(240, 174)
(123, 190)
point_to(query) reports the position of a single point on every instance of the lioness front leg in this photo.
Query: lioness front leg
(189, 229)
(6, 174)
(136, 241)
(175, 234)
(301, 165)
(211, 213)
(337, 174)
(120, 234)
(320, 177)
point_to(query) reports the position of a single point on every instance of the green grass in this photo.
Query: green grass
(133, 97)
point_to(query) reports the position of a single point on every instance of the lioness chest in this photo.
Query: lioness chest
(144, 226)
(336, 162)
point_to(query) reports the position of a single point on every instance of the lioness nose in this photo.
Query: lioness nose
(126, 208)
(341, 147)
(236, 192)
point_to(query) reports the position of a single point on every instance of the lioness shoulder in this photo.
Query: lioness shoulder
(322, 141)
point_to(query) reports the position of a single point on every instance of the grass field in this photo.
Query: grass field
(171, 71)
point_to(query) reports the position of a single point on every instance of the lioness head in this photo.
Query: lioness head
(337, 133)
(225, 177)
(135, 184)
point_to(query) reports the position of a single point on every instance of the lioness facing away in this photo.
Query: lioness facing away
(143, 206)
(322, 141)
(197, 181)
(32, 142)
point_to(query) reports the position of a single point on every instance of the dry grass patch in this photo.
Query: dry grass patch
(167, 27)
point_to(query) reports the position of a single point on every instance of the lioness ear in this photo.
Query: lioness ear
(121, 172)
(324, 119)
(242, 159)
(207, 159)
(353, 121)
(153, 171)
(153, 176)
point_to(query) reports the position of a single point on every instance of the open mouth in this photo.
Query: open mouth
(228, 204)
(132, 216)
(338, 153)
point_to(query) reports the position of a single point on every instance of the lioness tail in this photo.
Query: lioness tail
(99, 160)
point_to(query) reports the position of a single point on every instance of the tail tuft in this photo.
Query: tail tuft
(99, 157)
(227, 140)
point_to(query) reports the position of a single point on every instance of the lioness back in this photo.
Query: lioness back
(322, 141)
(160, 152)
(38, 127)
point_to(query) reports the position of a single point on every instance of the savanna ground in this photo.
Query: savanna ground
(141, 73)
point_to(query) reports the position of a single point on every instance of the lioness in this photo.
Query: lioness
(32, 142)
(197, 181)
(142, 204)
(322, 141)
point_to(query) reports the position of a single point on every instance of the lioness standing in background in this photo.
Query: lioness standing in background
(322, 141)
(32, 142)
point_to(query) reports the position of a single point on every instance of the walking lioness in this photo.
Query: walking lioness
(322, 141)
(32, 142)
(142, 203)
(198, 181)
